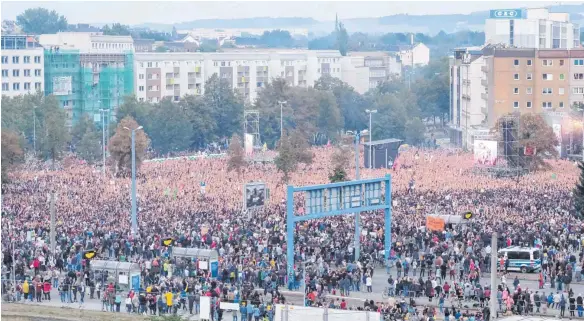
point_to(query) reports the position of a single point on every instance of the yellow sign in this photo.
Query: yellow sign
(168, 241)
(434, 223)
(89, 254)
(467, 215)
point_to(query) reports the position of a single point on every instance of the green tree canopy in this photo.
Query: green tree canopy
(169, 127)
(120, 146)
(236, 154)
(12, 152)
(292, 150)
(226, 108)
(117, 29)
(40, 21)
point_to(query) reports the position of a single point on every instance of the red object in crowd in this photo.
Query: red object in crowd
(47, 287)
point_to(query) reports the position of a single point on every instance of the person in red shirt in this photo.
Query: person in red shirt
(343, 305)
(446, 288)
(47, 290)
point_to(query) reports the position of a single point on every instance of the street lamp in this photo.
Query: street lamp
(134, 218)
(281, 103)
(34, 129)
(370, 112)
(102, 113)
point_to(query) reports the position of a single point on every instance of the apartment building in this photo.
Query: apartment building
(514, 80)
(382, 66)
(532, 28)
(175, 74)
(466, 86)
(22, 65)
(416, 55)
(88, 42)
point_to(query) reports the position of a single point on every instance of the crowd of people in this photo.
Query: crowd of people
(93, 212)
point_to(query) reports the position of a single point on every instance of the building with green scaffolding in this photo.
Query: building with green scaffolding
(92, 84)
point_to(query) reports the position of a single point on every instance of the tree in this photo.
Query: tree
(533, 132)
(227, 109)
(169, 127)
(338, 175)
(40, 21)
(200, 117)
(342, 39)
(236, 155)
(136, 109)
(120, 146)
(51, 131)
(578, 193)
(350, 103)
(292, 150)
(80, 128)
(117, 29)
(340, 161)
(277, 39)
(414, 131)
(11, 151)
(89, 146)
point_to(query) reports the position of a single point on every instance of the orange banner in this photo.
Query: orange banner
(434, 223)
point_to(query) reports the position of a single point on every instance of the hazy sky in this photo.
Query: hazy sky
(168, 12)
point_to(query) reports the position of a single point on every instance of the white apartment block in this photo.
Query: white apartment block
(382, 66)
(468, 87)
(22, 66)
(88, 42)
(532, 28)
(160, 75)
(418, 55)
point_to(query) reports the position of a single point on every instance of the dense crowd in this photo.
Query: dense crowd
(93, 211)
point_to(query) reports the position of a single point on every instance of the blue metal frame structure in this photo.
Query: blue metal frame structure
(335, 199)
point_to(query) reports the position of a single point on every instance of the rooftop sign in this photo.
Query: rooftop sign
(506, 14)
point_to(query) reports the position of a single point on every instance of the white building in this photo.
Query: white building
(382, 66)
(88, 42)
(418, 55)
(468, 109)
(532, 28)
(159, 75)
(22, 65)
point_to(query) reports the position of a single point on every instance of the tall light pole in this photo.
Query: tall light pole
(134, 218)
(281, 103)
(102, 113)
(34, 129)
(370, 112)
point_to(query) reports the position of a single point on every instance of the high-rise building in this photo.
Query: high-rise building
(532, 28)
(22, 65)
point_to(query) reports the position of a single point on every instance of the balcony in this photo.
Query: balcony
(485, 96)
(465, 96)
(484, 82)
(484, 69)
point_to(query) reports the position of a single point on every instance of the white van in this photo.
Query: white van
(523, 259)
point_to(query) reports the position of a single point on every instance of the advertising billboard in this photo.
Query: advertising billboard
(62, 86)
(506, 14)
(485, 152)
(254, 195)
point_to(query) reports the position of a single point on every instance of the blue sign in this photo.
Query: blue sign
(214, 269)
(506, 14)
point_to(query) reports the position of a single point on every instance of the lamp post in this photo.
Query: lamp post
(34, 129)
(102, 113)
(370, 112)
(134, 218)
(281, 103)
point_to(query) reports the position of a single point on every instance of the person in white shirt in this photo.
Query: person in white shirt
(369, 283)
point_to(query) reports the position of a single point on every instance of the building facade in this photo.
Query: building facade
(173, 75)
(532, 28)
(417, 55)
(88, 42)
(22, 65)
(382, 66)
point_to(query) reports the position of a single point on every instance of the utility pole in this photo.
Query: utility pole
(370, 112)
(134, 210)
(281, 103)
(493, 299)
(358, 214)
(52, 212)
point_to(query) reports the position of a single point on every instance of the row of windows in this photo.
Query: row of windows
(545, 104)
(102, 45)
(25, 59)
(549, 62)
(26, 72)
(16, 86)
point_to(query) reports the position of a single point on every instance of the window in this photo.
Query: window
(516, 62)
(516, 91)
(528, 90)
(562, 77)
(5, 86)
(529, 76)
(579, 62)
(547, 62)
(37, 86)
(26, 86)
(4, 72)
(578, 90)
(176, 98)
(15, 59)
(140, 88)
(16, 86)
(515, 76)
(141, 99)
(547, 91)
(27, 73)
(578, 76)
(141, 76)
(561, 62)
(528, 105)
(26, 59)
(149, 76)
(529, 62)
(515, 104)
(168, 75)
(561, 104)
(169, 87)
(548, 76)
(149, 65)
(223, 64)
(523, 255)
(15, 72)
(512, 255)
(4, 59)
(149, 88)
(546, 104)
(37, 72)
(561, 90)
